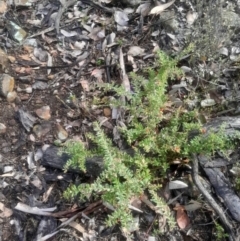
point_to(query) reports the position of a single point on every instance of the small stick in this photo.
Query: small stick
(227, 225)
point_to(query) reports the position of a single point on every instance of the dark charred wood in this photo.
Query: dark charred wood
(52, 157)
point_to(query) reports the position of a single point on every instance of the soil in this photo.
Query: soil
(67, 89)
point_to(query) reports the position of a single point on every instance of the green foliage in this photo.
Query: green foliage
(99, 62)
(210, 30)
(163, 209)
(156, 133)
(78, 155)
(220, 232)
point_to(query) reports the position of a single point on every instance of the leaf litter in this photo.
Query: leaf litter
(58, 57)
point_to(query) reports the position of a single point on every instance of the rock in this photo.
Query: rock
(107, 112)
(62, 134)
(3, 60)
(16, 31)
(28, 90)
(7, 83)
(24, 97)
(3, 6)
(11, 96)
(3, 128)
(44, 113)
(42, 130)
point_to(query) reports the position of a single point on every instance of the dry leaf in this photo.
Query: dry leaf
(192, 206)
(191, 17)
(97, 73)
(40, 54)
(34, 210)
(75, 225)
(159, 9)
(135, 51)
(49, 63)
(12, 59)
(136, 202)
(96, 33)
(25, 57)
(47, 193)
(182, 217)
(28, 48)
(6, 212)
(144, 9)
(177, 184)
(121, 18)
(85, 85)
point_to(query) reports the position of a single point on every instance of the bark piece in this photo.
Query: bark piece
(53, 158)
(223, 189)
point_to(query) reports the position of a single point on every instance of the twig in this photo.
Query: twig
(227, 225)
(68, 107)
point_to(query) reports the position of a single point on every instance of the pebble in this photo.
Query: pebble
(3, 6)
(41, 130)
(11, 96)
(3, 60)
(6, 149)
(7, 169)
(3, 128)
(12, 122)
(62, 134)
(7, 83)
(28, 90)
(24, 97)
(107, 112)
(44, 112)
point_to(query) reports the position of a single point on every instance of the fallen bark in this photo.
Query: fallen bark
(53, 158)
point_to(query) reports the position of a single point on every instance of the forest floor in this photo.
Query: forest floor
(58, 52)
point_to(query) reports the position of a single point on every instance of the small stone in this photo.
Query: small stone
(16, 31)
(3, 6)
(7, 169)
(44, 113)
(12, 122)
(62, 134)
(3, 60)
(6, 84)
(3, 128)
(42, 130)
(24, 97)
(32, 138)
(208, 102)
(107, 112)
(6, 149)
(39, 101)
(11, 96)
(28, 90)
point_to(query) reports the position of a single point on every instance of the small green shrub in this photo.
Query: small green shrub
(212, 29)
(220, 232)
(157, 132)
